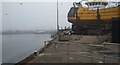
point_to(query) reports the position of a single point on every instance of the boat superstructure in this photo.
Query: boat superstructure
(96, 16)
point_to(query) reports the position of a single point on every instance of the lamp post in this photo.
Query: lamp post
(57, 21)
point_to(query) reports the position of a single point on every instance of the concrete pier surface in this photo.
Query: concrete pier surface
(76, 49)
(80, 49)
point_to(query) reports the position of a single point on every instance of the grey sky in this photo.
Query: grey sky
(33, 15)
(0, 35)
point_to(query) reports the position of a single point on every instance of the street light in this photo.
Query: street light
(57, 18)
(57, 21)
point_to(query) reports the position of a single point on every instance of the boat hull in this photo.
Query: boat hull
(89, 22)
(84, 20)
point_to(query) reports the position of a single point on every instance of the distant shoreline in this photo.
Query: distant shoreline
(21, 33)
(25, 32)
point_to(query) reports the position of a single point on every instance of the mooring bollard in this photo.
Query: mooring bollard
(35, 53)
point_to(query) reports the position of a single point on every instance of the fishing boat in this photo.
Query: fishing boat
(96, 16)
(39, 31)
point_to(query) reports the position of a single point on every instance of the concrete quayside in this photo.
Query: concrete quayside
(77, 49)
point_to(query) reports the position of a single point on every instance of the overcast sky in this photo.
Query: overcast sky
(0, 35)
(34, 15)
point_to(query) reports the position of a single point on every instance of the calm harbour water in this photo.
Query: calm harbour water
(16, 47)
